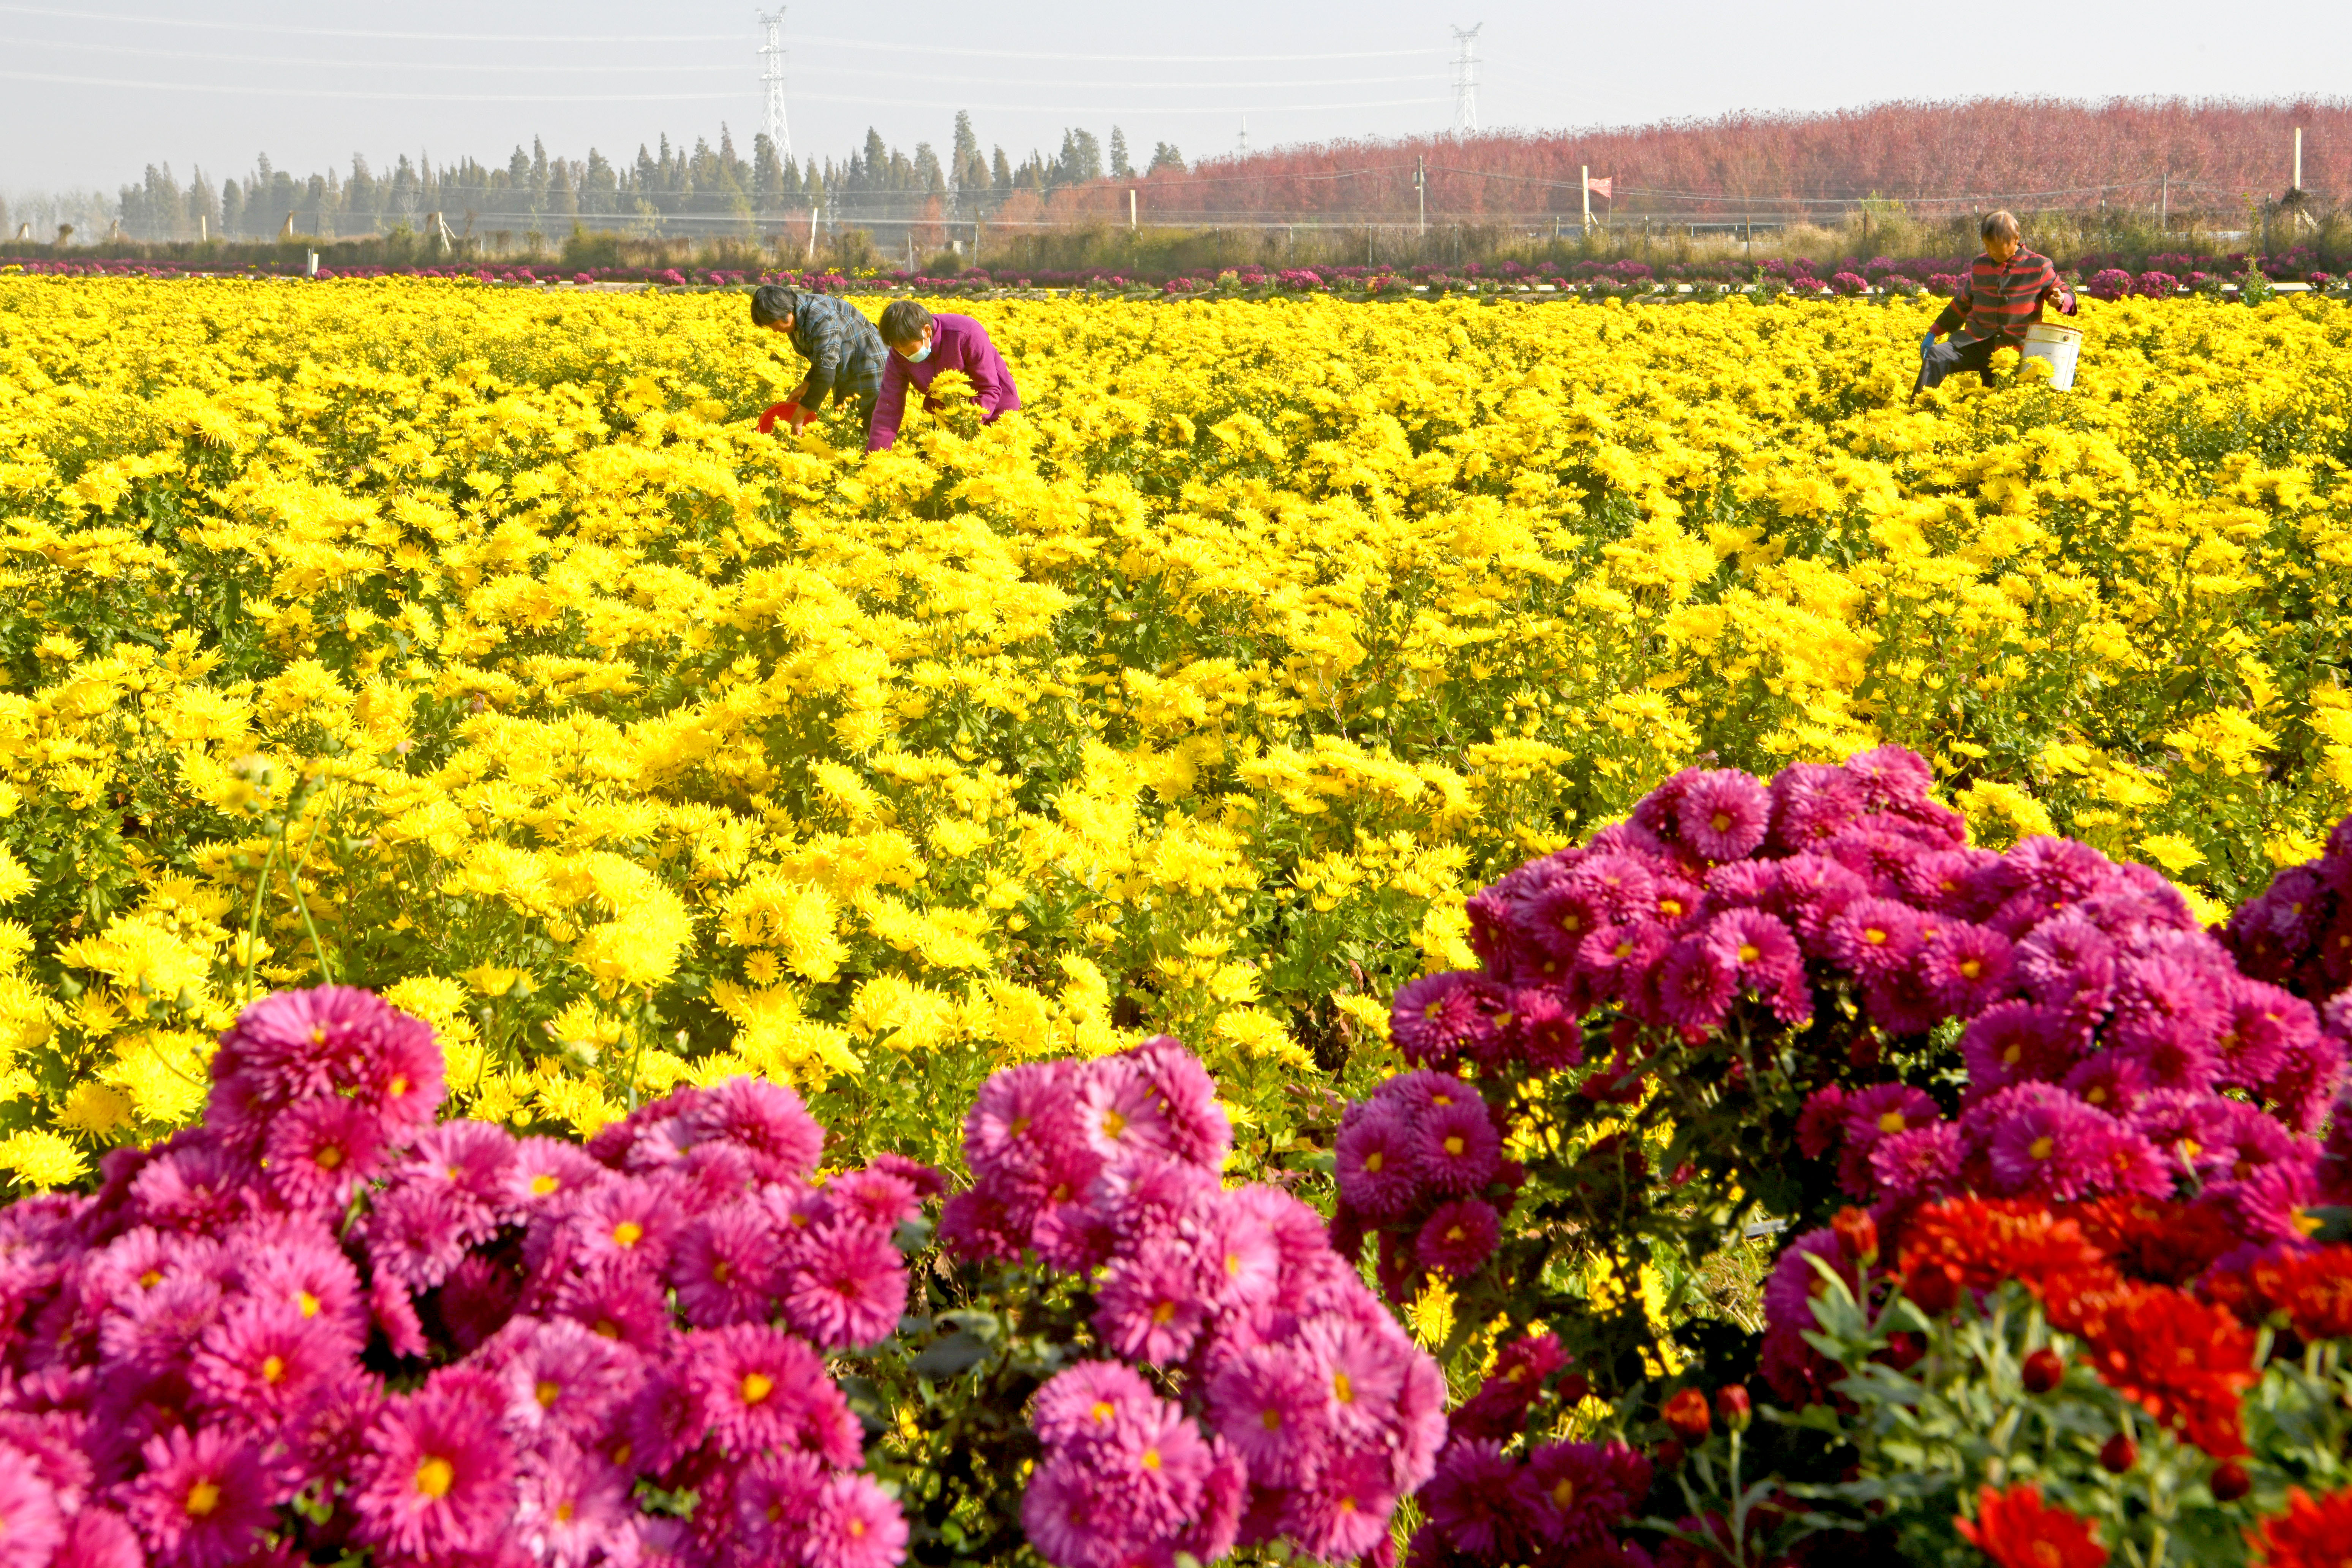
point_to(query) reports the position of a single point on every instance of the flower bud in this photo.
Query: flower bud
(1574, 1388)
(1858, 1234)
(2043, 1371)
(1685, 1414)
(1731, 1406)
(1934, 1291)
(2230, 1481)
(1669, 1455)
(2119, 1455)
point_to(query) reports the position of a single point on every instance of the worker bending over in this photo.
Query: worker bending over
(844, 351)
(922, 345)
(2000, 297)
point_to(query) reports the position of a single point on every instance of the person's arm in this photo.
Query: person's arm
(2056, 286)
(1955, 313)
(889, 405)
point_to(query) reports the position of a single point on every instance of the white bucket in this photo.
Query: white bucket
(2060, 345)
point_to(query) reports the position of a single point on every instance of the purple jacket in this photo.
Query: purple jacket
(957, 343)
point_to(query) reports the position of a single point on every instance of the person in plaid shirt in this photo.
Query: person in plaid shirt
(844, 351)
(2002, 298)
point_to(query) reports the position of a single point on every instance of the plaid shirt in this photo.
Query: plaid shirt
(844, 350)
(2003, 299)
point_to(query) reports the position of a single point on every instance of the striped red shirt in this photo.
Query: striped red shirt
(2000, 299)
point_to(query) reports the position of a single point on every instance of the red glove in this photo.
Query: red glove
(790, 413)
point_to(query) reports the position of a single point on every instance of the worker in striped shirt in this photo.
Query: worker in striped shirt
(2001, 298)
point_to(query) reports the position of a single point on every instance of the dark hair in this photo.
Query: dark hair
(1999, 226)
(774, 302)
(903, 322)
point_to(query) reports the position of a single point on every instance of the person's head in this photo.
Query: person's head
(2000, 234)
(907, 327)
(773, 306)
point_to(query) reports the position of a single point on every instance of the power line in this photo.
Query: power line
(1114, 108)
(310, 63)
(555, 37)
(363, 64)
(392, 97)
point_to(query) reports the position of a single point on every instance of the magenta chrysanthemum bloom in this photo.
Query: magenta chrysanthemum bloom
(1821, 1125)
(263, 1361)
(1812, 804)
(2018, 1042)
(1150, 1305)
(303, 1044)
(757, 1386)
(571, 1508)
(1965, 967)
(2108, 1081)
(765, 1118)
(620, 1300)
(31, 1528)
(1696, 986)
(2068, 963)
(558, 1377)
(1434, 1018)
(476, 1159)
(634, 1221)
(548, 1171)
(437, 1477)
(665, 1421)
(1199, 1131)
(2272, 1204)
(723, 1267)
(1150, 1197)
(1473, 1499)
(1344, 1511)
(1616, 960)
(1119, 1113)
(416, 1233)
(1762, 953)
(873, 1196)
(2040, 1141)
(1885, 1109)
(94, 1538)
(196, 1186)
(1459, 1236)
(320, 1151)
(1272, 1409)
(1075, 1517)
(1018, 1110)
(848, 1289)
(2262, 1028)
(1544, 1033)
(1156, 1456)
(1378, 1165)
(1917, 1165)
(1362, 1366)
(853, 1524)
(206, 1498)
(1085, 1402)
(1724, 815)
(1874, 938)
(773, 1499)
(1457, 1147)
(1575, 1494)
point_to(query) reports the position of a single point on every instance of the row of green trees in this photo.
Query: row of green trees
(668, 190)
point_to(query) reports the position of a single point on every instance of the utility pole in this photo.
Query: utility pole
(1584, 182)
(2298, 160)
(1421, 189)
(1130, 209)
(772, 79)
(1465, 80)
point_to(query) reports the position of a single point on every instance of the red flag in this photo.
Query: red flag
(1601, 187)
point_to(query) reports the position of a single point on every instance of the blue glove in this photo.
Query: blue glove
(1926, 343)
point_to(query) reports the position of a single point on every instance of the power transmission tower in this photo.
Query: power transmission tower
(1465, 80)
(1244, 140)
(771, 77)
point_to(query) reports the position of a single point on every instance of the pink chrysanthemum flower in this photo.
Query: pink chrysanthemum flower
(94, 1538)
(1456, 1146)
(852, 1524)
(571, 1506)
(1379, 1165)
(320, 1151)
(754, 1384)
(1724, 815)
(207, 1497)
(1458, 1236)
(31, 1527)
(1361, 1367)
(559, 1377)
(263, 1361)
(765, 1118)
(723, 1267)
(548, 1171)
(1150, 1306)
(437, 1477)
(475, 1161)
(1075, 1517)
(1272, 1409)
(416, 1233)
(618, 1299)
(1084, 1402)
(1344, 1512)
(1696, 986)
(847, 1288)
(1965, 967)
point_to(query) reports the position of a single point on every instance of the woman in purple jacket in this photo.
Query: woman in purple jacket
(922, 345)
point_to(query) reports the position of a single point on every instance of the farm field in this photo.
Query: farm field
(632, 748)
(1598, 791)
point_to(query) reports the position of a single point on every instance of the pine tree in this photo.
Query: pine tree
(1001, 180)
(1166, 156)
(966, 167)
(1119, 167)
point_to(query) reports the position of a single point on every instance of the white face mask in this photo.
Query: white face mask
(920, 354)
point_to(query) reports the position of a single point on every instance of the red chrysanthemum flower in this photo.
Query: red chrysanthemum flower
(2311, 1533)
(2017, 1530)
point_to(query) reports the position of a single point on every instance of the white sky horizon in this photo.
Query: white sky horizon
(91, 94)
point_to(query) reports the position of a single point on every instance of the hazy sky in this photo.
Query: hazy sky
(90, 95)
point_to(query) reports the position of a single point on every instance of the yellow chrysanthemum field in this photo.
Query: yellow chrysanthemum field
(473, 645)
